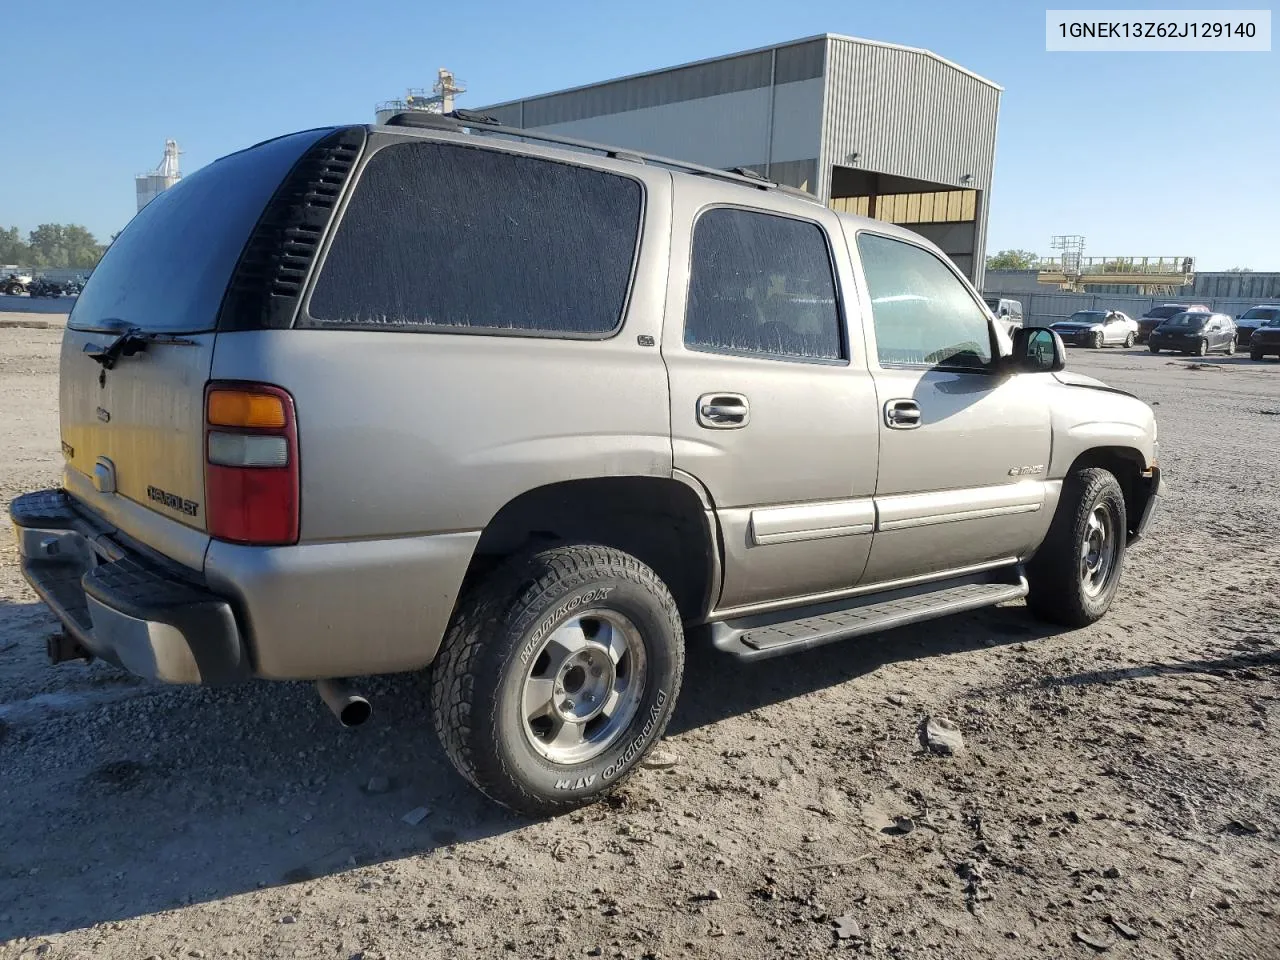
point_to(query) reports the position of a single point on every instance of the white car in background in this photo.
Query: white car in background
(1097, 328)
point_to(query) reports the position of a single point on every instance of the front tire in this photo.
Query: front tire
(1074, 575)
(1154, 348)
(558, 674)
(1130, 339)
(1096, 341)
(1231, 347)
(1255, 354)
(1202, 348)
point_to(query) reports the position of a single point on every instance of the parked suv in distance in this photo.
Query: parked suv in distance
(1158, 315)
(442, 394)
(1009, 312)
(1252, 319)
(1195, 333)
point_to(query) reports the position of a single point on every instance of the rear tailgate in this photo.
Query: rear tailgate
(133, 427)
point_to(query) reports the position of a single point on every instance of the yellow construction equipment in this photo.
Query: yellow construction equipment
(1154, 276)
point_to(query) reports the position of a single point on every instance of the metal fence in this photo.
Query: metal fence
(1042, 309)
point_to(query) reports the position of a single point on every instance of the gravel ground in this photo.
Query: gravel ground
(1120, 790)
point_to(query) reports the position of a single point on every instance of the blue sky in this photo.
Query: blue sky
(1144, 154)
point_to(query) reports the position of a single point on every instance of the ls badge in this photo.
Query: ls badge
(1034, 470)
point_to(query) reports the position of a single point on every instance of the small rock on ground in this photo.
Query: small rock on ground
(415, 816)
(941, 736)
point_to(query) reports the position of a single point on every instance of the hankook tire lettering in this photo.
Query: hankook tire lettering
(591, 596)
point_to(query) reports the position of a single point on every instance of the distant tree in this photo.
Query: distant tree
(1012, 260)
(12, 247)
(1239, 270)
(1119, 265)
(63, 245)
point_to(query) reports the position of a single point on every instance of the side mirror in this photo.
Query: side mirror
(1037, 350)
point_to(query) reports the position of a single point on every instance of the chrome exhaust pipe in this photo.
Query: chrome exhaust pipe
(349, 707)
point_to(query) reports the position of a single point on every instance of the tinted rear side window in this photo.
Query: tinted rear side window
(168, 269)
(440, 236)
(762, 284)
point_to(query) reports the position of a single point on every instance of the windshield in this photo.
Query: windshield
(1190, 321)
(992, 302)
(1261, 313)
(1086, 316)
(1273, 322)
(1162, 313)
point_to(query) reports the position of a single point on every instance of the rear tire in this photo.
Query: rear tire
(1074, 575)
(557, 675)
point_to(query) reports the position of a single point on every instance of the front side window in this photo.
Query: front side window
(762, 284)
(922, 313)
(443, 237)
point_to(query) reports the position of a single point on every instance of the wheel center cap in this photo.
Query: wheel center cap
(583, 685)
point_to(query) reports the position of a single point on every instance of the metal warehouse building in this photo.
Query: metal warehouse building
(874, 128)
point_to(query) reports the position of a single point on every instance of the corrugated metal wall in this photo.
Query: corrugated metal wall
(1257, 287)
(727, 130)
(755, 109)
(710, 78)
(1042, 309)
(907, 113)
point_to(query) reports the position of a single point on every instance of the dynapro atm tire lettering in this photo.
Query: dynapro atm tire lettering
(634, 748)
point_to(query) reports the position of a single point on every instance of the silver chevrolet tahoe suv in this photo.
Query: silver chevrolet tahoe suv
(533, 414)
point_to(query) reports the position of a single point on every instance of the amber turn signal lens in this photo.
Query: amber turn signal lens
(238, 408)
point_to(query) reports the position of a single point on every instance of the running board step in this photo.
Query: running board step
(775, 634)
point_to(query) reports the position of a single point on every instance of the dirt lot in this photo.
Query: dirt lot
(1120, 790)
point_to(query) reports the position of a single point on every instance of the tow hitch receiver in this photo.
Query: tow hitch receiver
(63, 647)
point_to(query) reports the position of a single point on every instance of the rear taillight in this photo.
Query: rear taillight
(251, 463)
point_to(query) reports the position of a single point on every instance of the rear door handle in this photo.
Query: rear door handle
(723, 411)
(902, 414)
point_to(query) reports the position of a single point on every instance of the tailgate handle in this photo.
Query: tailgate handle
(125, 345)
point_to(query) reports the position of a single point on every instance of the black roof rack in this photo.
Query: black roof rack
(468, 120)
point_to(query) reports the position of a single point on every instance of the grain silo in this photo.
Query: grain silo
(151, 185)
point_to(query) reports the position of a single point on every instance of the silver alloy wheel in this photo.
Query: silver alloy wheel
(1097, 340)
(1098, 551)
(584, 686)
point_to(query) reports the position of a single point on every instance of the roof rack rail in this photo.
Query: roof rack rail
(460, 120)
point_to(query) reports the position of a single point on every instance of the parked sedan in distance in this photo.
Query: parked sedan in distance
(1195, 333)
(1252, 319)
(1158, 315)
(1266, 339)
(1096, 328)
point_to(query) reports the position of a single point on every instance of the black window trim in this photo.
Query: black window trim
(993, 367)
(842, 318)
(379, 142)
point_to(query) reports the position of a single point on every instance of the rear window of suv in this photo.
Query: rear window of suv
(461, 239)
(168, 269)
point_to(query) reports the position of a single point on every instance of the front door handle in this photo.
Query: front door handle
(723, 411)
(902, 414)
